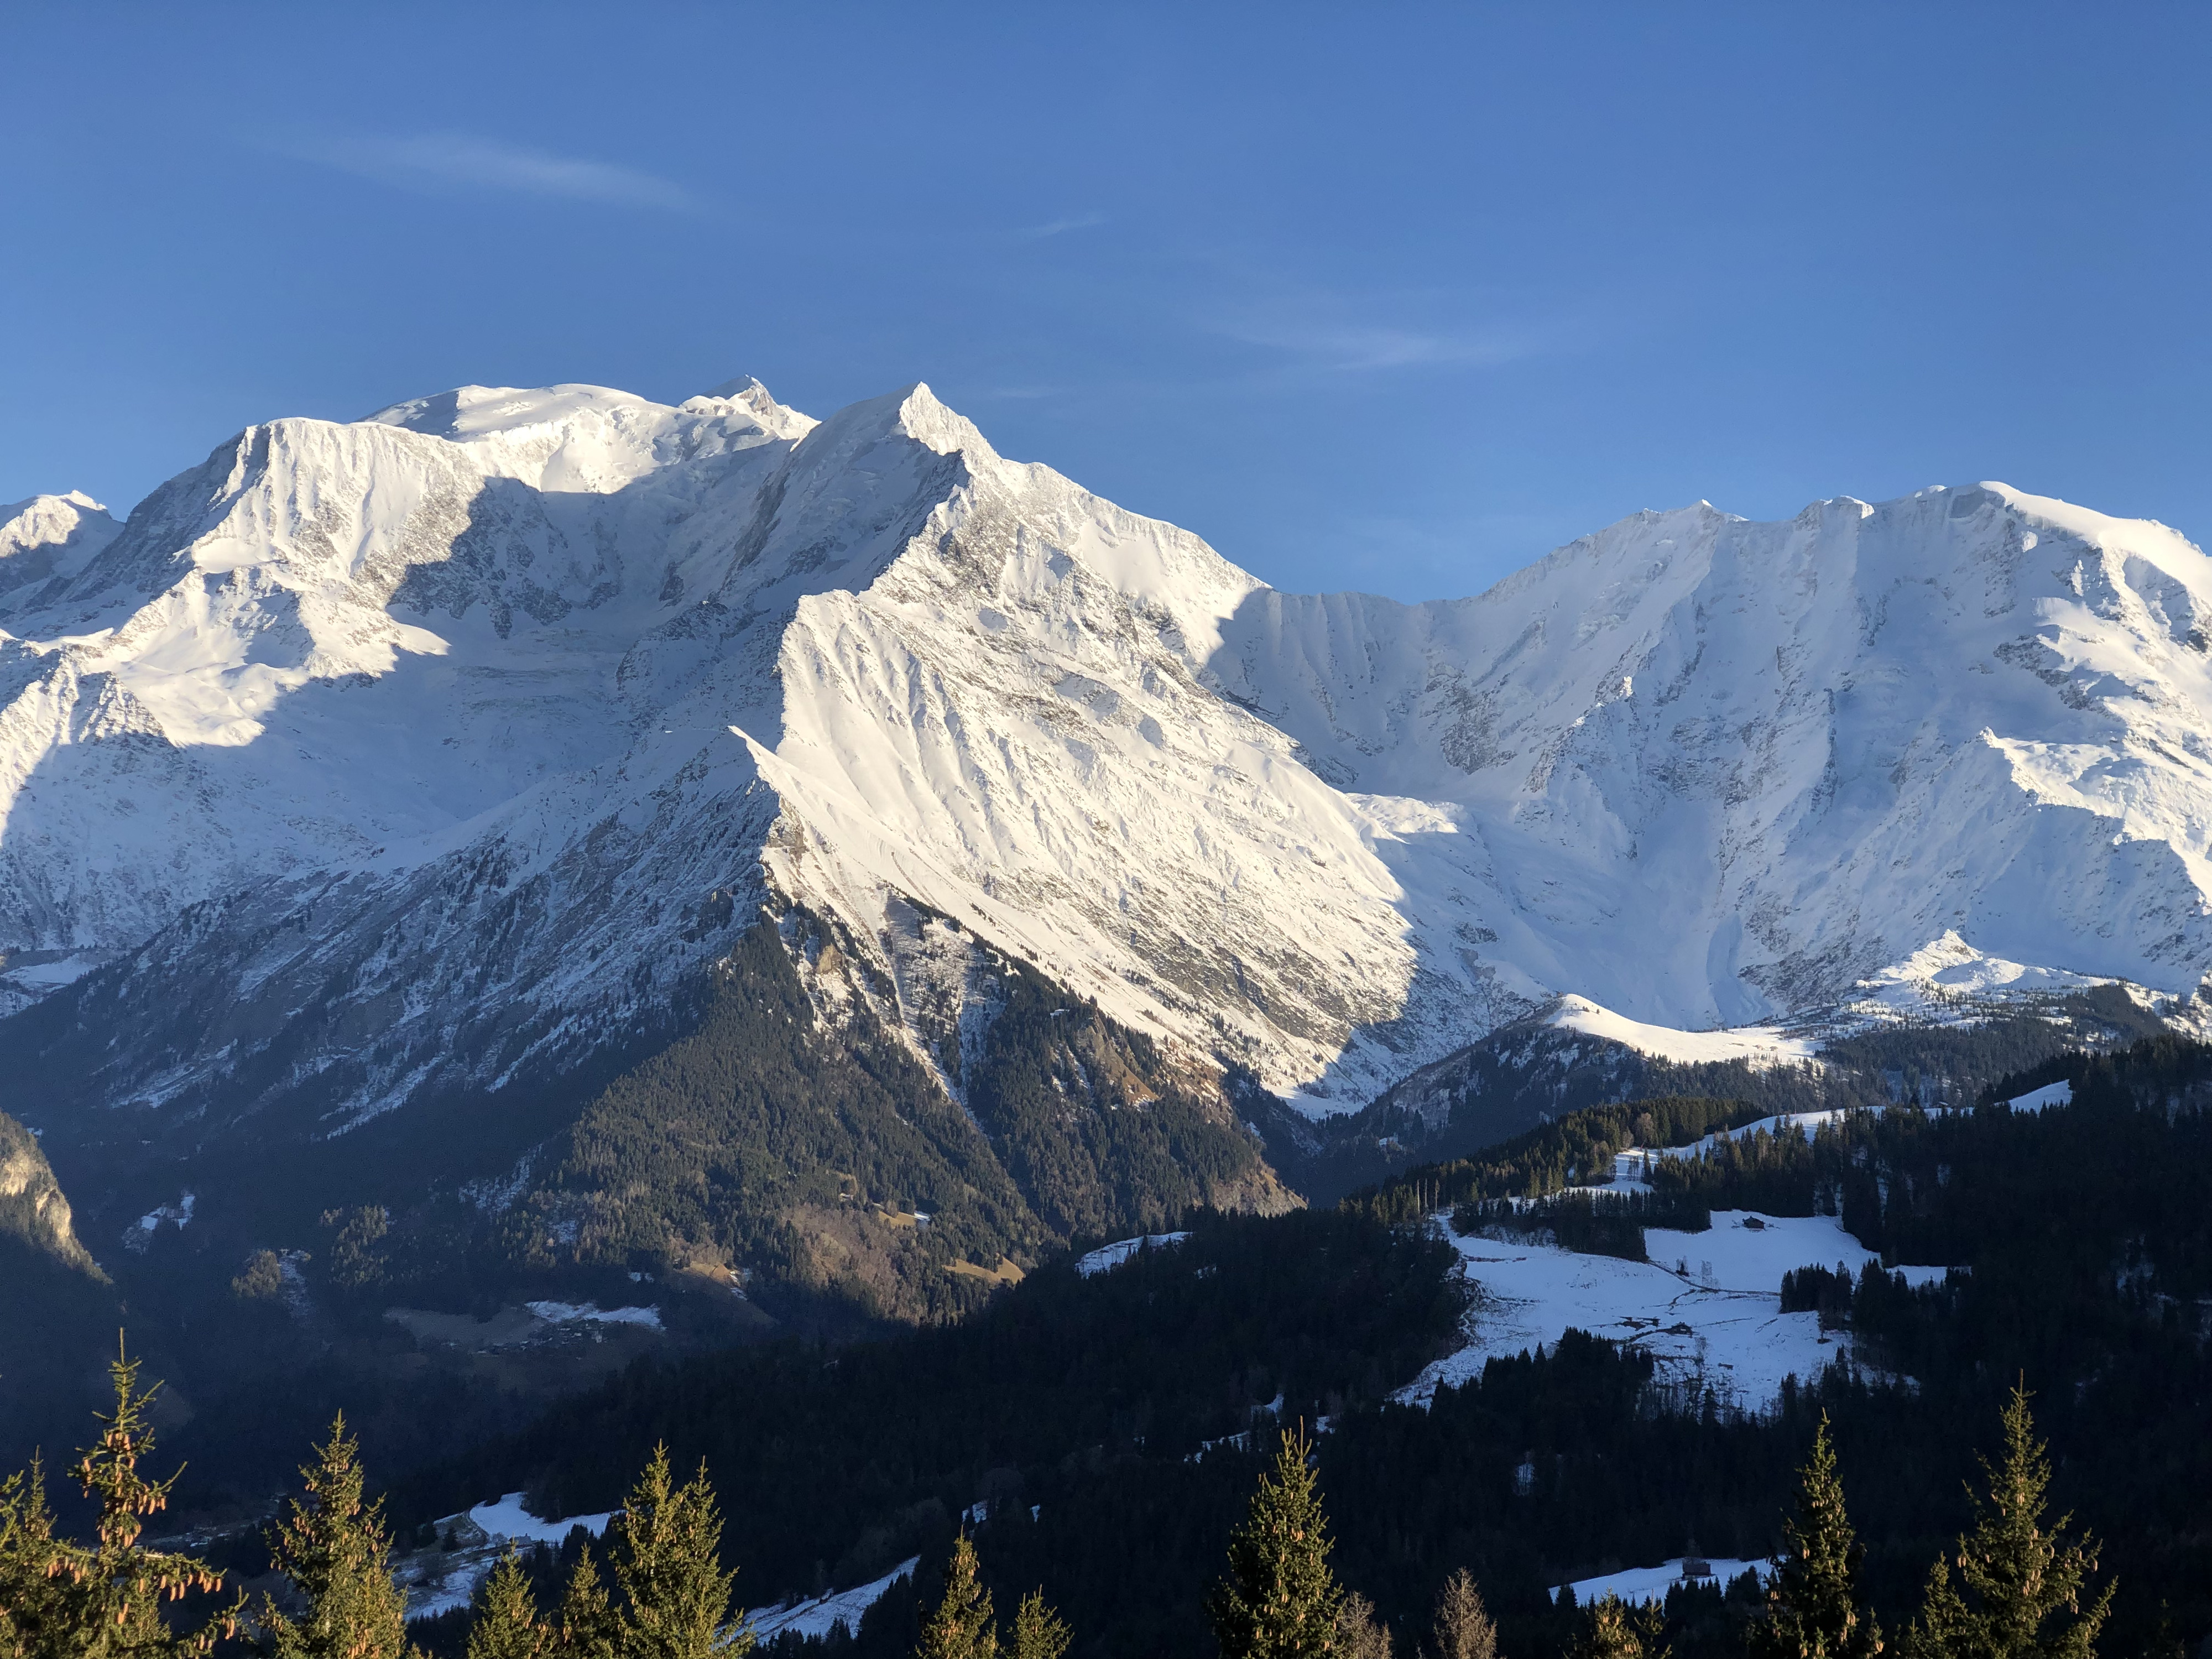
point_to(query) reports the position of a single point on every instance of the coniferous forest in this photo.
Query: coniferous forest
(1197, 1451)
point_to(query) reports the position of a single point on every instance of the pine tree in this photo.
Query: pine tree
(507, 1625)
(589, 1626)
(1279, 1598)
(102, 1601)
(963, 1626)
(1464, 1628)
(1614, 1630)
(1039, 1633)
(2017, 1579)
(31, 1605)
(675, 1592)
(1812, 1607)
(336, 1552)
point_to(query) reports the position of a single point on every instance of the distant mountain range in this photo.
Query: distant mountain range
(401, 785)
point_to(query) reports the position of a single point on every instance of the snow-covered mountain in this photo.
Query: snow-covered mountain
(409, 757)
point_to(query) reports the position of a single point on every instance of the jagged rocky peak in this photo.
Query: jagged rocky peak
(407, 706)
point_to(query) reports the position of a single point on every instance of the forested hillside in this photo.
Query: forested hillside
(1100, 1430)
(2087, 1270)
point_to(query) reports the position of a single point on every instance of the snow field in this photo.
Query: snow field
(819, 1617)
(2060, 1093)
(1707, 1307)
(1108, 1257)
(505, 1519)
(1640, 1585)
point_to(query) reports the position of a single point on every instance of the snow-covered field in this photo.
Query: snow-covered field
(505, 1518)
(1707, 1307)
(2060, 1093)
(449, 1580)
(1109, 1257)
(817, 1617)
(1644, 1584)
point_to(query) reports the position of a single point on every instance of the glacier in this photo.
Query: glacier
(406, 757)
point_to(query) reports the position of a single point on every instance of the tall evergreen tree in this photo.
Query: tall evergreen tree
(964, 1625)
(1614, 1630)
(590, 1628)
(335, 1550)
(1279, 1598)
(667, 1564)
(507, 1624)
(30, 1592)
(1039, 1633)
(1812, 1607)
(103, 1600)
(2017, 1582)
(1463, 1627)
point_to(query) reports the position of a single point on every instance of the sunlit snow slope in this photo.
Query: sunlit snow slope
(408, 755)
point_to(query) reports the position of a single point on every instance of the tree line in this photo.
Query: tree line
(2014, 1586)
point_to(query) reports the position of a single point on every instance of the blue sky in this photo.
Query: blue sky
(1391, 297)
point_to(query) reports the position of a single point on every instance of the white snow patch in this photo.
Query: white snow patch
(1759, 1045)
(1631, 1166)
(1706, 1306)
(2060, 1093)
(1109, 1257)
(457, 1588)
(505, 1518)
(1638, 1585)
(562, 1313)
(178, 1215)
(1744, 1250)
(819, 1617)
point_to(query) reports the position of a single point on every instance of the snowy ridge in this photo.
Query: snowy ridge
(339, 744)
(1759, 1045)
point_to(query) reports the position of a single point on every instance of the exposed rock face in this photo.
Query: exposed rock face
(32, 1207)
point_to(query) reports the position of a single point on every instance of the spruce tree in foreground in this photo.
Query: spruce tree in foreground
(335, 1550)
(1812, 1607)
(590, 1627)
(667, 1565)
(59, 1600)
(30, 1594)
(1463, 1627)
(1279, 1598)
(962, 1626)
(1614, 1630)
(507, 1625)
(1039, 1633)
(2016, 1581)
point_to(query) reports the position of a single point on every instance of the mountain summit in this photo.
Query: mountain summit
(426, 755)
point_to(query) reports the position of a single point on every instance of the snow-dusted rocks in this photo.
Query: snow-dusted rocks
(404, 758)
(49, 539)
(1703, 772)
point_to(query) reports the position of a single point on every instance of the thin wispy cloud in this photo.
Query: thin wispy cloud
(1356, 347)
(460, 161)
(1060, 227)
